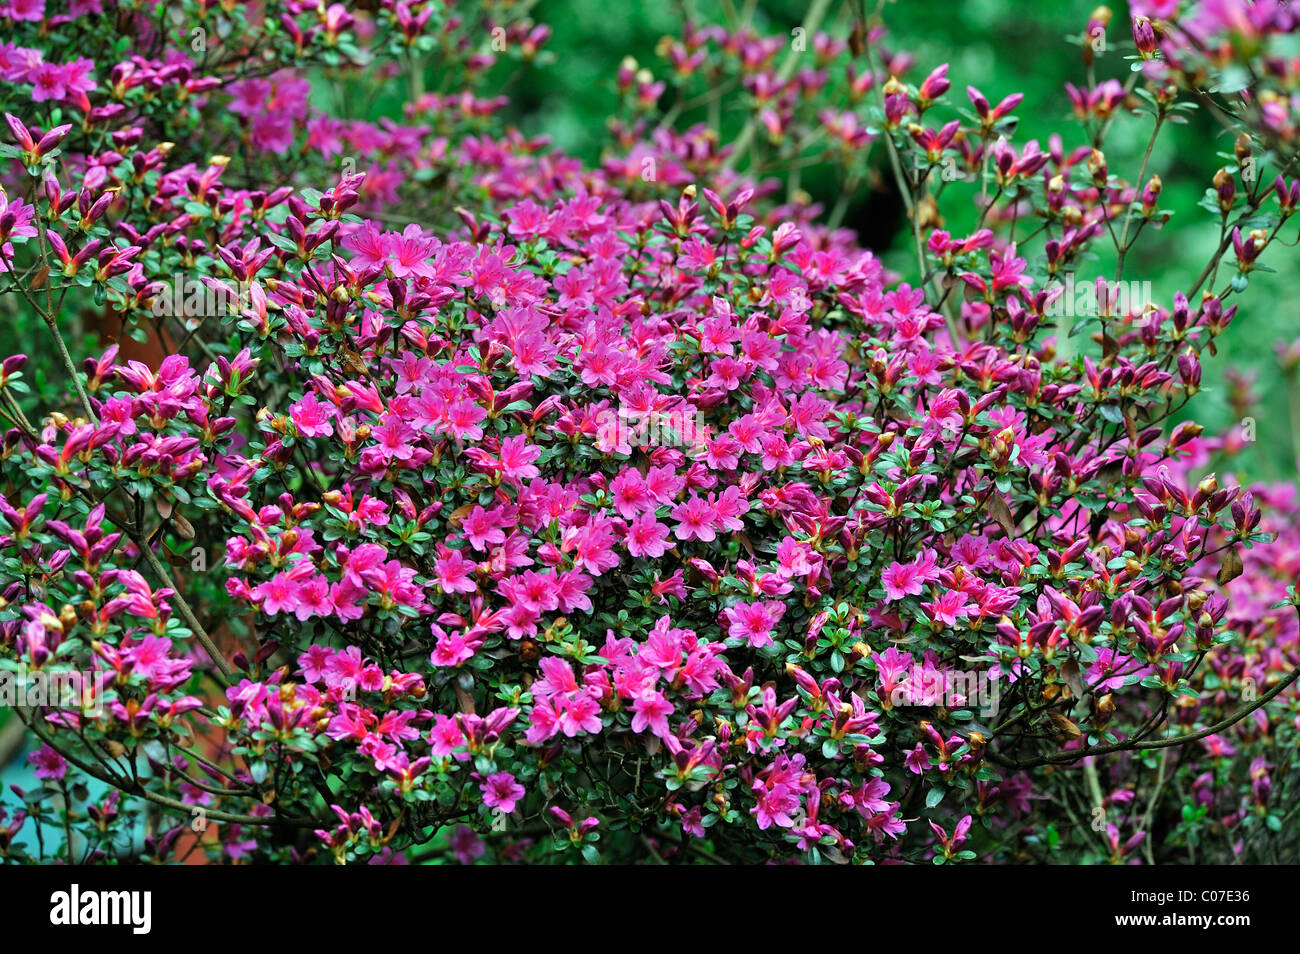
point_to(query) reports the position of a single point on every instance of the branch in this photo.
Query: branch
(1068, 758)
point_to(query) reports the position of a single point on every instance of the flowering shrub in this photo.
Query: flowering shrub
(381, 567)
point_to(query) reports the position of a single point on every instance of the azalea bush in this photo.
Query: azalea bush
(463, 501)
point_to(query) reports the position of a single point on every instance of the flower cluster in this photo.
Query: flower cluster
(363, 561)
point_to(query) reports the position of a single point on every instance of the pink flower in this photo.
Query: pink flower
(647, 537)
(367, 245)
(581, 713)
(727, 373)
(774, 806)
(753, 622)
(651, 711)
(312, 663)
(631, 496)
(446, 736)
(908, 579)
(917, 761)
(901, 579)
(48, 82)
(311, 417)
(454, 572)
(695, 518)
(451, 650)
(278, 594)
(1111, 671)
(48, 763)
(543, 722)
(663, 484)
(33, 11)
(345, 668)
(481, 529)
(501, 791)
(395, 439)
(891, 668)
(593, 547)
(78, 75)
(462, 419)
(466, 845)
(410, 252)
(949, 607)
(517, 457)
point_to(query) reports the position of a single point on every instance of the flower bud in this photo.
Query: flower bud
(1144, 35)
(1226, 187)
(1097, 168)
(1241, 148)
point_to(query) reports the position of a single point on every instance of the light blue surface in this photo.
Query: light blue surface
(19, 772)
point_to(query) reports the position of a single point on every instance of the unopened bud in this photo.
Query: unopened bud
(1241, 148)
